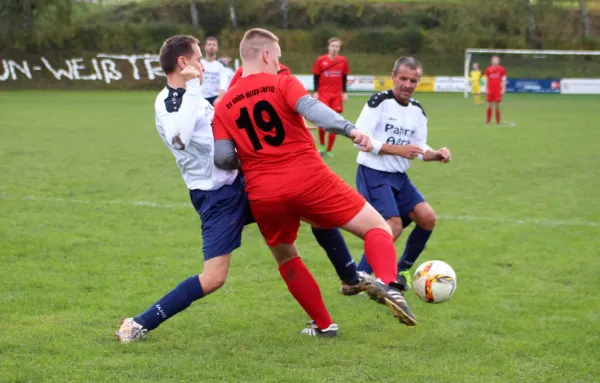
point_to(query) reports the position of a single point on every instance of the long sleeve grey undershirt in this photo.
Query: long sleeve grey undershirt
(321, 115)
(314, 111)
(226, 157)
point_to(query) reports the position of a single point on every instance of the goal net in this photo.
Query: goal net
(536, 64)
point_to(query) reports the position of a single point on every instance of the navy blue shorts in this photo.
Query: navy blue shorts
(391, 194)
(223, 213)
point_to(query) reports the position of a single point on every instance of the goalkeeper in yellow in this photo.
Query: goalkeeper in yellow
(476, 83)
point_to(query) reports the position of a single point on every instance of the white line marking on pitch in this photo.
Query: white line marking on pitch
(530, 221)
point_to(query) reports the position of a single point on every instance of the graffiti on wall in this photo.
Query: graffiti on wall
(103, 67)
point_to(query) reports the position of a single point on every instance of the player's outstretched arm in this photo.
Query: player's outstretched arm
(225, 155)
(321, 115)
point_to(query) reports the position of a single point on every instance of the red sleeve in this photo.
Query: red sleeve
(503, 72)
(317, 66)
(346, 67)
(236, 76)
(219, 131)
(292, 89)
(487, 71)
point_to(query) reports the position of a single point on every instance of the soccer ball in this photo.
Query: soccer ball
(434, 281)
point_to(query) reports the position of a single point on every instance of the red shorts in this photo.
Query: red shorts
(494, 95)
(332, 100)
(326, 202)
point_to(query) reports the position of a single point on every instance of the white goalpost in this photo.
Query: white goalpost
(469, 53)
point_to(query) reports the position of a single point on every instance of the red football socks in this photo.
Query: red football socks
(498, 116)
(331, 140)
(305, 289)
(381, 254)
(489, 115)
(321, 136)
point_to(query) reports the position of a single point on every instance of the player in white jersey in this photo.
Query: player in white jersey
(183, 120)
(397, 125)
(215, 75)
(228, 70)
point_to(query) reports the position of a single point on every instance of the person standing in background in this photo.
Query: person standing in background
(330, 75)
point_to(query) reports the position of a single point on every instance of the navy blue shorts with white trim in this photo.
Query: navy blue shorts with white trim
(224, 213)
(391, 194)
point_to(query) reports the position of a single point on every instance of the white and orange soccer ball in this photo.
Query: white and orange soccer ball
(434, 281)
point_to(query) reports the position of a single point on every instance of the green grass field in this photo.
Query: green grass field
(96, 225)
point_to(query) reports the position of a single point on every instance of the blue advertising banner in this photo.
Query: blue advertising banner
(517, 85)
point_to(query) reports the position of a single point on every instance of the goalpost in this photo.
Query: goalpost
(533, 52)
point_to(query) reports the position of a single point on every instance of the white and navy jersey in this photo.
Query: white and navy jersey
(186, 114)
(387, 121)
(229, 75)
(215, 78)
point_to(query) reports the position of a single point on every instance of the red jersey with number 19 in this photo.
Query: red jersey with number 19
(275, 148)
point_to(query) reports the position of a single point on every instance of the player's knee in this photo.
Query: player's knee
(214, 275)
(213, 280)
(428, 221)
(395, 225)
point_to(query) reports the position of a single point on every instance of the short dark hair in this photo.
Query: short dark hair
(409, 62)
(173, 48)
(211, 38)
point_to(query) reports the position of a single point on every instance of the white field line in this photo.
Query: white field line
(468, 218)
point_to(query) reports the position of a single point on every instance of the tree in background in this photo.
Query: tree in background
(284, 14)
(533, 39)
(28, 24)
(585, 20)
(194, 13)
(232, 14)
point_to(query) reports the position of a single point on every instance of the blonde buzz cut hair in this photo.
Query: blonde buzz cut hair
(254, 42)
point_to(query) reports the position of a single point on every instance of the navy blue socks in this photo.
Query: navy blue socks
(177, 300)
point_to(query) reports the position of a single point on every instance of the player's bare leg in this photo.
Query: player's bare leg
(215, 273)
(425, 219)
(181, 297)
(497, 105)
(395, 224)
(381, 255)
(305, 290)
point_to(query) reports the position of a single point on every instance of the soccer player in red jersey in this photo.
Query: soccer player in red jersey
(330, 72)
(260, 122)
(496, 86)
